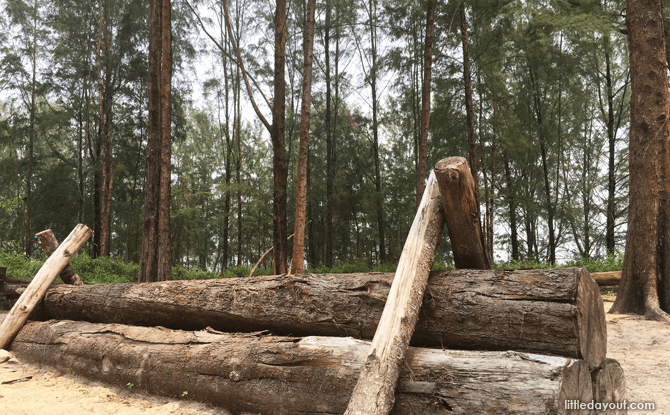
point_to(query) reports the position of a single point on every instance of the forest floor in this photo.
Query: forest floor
(642, 347)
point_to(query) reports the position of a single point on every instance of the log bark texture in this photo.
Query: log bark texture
(19, 313)
(607, 278)
(374, 393)
(49, 244)
(609, 386)
(558, 311)
(288, 375)
(461, 211)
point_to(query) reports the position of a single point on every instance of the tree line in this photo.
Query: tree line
(535, 94)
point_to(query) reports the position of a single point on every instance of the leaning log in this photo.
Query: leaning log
(287, 375)
(607, 278)
(461, 211)
(557, 311)
(375, 390)
(49, 244)
(19, 313)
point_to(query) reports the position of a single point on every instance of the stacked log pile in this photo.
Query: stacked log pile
(486, 341)
(552, 319)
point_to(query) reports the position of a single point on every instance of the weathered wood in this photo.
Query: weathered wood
(19, 313)
(461, 211)
(609, 386)
(375, 390)
(287, 375)
(49, 244)
(538, 311)
(607, 278)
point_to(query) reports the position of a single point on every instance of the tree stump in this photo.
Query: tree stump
(461, 211)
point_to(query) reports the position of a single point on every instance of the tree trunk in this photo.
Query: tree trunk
(514, 240)
(298, 257)
(31, 139)
(278, 143)
(459, 198)
(19, 313)
(49, 244)
(469, 111)
(330, 163)
(156, 259)
(556, 311)
(425, 102)
(314, 375)
(375, 127)
(611, 141)
(164, 243)
(374, 393)
(645, 280)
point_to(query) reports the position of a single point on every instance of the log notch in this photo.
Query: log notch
(538, 311)
(288, 375)
(607, 278)
(19, 313)
(609, 386)
(375, 390)
(461, 211)
(49, 244)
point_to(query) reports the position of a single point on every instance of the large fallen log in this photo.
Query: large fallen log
(607, 278)
(556, 311)
(286, 375)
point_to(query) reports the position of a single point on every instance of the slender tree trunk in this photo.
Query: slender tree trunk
(102, 138)
(330, 165)
(226, 211)
(31, 138)
(297, 260)
(425, 102)
(611, 140)
(278, 143)
(514, 238)
(375, 132)
(152, 189)
(645, 280)
(164, 245)
(238, 168)
(469, 111)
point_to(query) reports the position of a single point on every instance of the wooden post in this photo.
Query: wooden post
(461, 211)
(375, 390)
(18, 315)
(49, 244)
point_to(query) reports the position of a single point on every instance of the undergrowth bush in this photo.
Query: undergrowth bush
(109, 270)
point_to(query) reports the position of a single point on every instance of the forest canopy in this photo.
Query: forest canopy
(550, 86)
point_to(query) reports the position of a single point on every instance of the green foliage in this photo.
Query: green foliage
(612, 262)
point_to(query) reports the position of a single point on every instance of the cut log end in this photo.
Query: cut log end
(461, 211)
(609, 386)
(593, 325)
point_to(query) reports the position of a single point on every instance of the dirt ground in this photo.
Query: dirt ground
(642, 347)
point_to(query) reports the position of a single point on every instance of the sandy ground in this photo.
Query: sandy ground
(642, 347)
